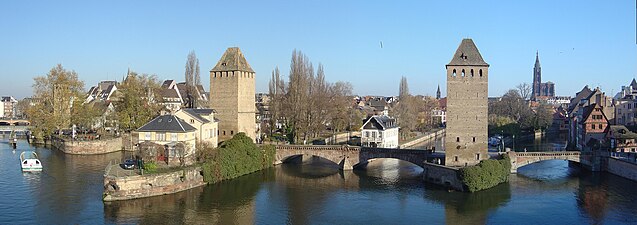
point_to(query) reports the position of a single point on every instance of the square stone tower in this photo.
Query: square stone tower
(467, 107)
(232, 91)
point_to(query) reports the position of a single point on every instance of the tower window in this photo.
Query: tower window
(454, 73)
(474, 139)
(455, 158)
(478, 156)
(471, 72)
(231, 132)
(224, 132)
(462, 72)
(457, 139)
(480, 72)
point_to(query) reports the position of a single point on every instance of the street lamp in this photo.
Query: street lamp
(514, 142)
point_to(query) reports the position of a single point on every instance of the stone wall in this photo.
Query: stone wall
(621, 168)
(142, 186)
(93, 147)
(442, 175)
(427, 137)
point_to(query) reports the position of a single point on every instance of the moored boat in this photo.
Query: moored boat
(30, 162)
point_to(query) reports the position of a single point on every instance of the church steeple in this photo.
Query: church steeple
(537, 59)
(438, 92)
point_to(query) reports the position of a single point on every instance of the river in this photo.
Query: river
(68, 191)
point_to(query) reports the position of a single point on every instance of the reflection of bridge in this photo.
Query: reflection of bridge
(5, 122)
(348, 157)
(520, 159)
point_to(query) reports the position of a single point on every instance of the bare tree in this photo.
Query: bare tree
(524, 89)
(192, 79)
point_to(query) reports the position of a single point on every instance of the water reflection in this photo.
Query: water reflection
(68, 191)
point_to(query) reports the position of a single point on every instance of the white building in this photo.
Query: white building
(380, 132)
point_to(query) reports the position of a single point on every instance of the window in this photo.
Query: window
(192, 121)
(457, 139)
(480, 72)
(380, 134)
(471, 72)
(147, 137)
(600, 126)
(455, 158)
(224, 132)
(478, 156)
(160, 136)
(173, 137)
(373, 134)
(474, 139)
(462, 72)
(454, 73)
(232, 132)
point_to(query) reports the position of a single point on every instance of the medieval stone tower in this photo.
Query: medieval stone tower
(467, 107)
(232, 91)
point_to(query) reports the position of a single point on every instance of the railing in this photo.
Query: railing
(107, 170)
(548, 154)
(318, 147)
(629, 157)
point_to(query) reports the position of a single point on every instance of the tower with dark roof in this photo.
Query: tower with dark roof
(232, 91)
(467, 107)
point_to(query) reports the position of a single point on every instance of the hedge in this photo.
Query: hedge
(486, 174)
(234, 158)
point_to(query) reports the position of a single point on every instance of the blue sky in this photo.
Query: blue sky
(580, 42)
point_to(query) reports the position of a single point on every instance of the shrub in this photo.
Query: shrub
(235, 157)
(486, 174)
(150, 167)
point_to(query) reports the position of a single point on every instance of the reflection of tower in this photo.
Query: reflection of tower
(467, 88)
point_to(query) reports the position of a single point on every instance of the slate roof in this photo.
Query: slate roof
(380, 122)
(167, 123)
(585, 92)
(467, 54)
(198, 116)
(633, 84)
(169, 93)
(621, 132)
(232, 60)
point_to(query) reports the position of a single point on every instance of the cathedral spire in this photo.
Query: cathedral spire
(438, 92)
(537, 59)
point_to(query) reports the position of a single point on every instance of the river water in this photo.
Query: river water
(68, 191)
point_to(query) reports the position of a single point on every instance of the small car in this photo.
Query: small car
(129, 164)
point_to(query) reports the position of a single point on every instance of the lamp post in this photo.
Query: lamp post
(514, 142)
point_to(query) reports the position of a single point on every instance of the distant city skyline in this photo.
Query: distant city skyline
(368, 44)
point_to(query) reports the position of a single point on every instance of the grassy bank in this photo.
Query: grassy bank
(234, 158)
(486, 174)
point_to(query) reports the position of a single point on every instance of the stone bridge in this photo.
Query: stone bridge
(348, 157)
(7, 122)
(520, 159)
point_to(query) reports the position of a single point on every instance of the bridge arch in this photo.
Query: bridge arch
(521, 159)
(364, 162)
(344, 156)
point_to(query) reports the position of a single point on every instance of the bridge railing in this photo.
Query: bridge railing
(318, 147)
(532, 154)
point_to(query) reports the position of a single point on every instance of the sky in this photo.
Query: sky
(579, 42)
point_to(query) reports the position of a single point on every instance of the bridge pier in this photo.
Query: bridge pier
(345, 164)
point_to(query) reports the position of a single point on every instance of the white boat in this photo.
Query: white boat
(30, 162)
